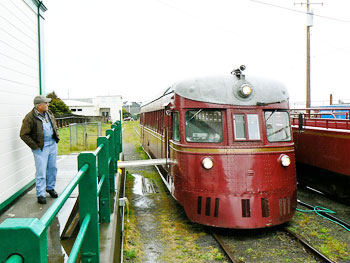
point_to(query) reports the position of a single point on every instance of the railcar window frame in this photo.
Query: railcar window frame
(217, 134)
(176, 126)
(248, 128)
(236, 128)
(267, 117)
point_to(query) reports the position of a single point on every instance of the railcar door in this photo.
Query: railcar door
(167, 135)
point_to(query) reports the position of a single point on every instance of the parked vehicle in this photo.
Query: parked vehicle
(229, 148)
(322, 143)
(128, 119)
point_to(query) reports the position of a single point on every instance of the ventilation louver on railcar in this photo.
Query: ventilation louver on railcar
(208, 206)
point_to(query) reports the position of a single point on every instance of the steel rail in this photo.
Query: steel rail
(325, 214)
(308, 246)
(224, 248)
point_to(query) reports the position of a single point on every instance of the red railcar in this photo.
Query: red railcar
(322, 143)
(229, 148)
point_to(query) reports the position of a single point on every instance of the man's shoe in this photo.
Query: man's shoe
(52, 193)
(41, 200)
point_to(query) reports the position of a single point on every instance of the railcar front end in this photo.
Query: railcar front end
(235, 167)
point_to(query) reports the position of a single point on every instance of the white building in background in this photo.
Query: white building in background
(21, 79)
(107, 106)
(81, 107)
(110, 106)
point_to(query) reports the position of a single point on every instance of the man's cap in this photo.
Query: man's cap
(41, 99)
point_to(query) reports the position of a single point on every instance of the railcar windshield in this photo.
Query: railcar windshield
(277, 126)
(203, 125)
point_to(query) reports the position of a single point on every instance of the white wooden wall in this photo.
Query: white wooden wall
(19, 84)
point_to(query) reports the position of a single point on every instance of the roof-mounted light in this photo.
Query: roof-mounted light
(245, 90)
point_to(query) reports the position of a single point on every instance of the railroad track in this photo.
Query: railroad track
(326, 195)
(312, 250)
(308, 246)
(224, 247)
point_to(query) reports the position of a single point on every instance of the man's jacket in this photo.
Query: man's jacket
(32, 130)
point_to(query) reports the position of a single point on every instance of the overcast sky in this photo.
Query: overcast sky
(136, 48)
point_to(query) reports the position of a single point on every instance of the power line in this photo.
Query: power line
(298, 11)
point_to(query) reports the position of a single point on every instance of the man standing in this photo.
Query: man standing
(39, 131)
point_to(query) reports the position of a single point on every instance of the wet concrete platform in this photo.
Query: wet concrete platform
(27, 207)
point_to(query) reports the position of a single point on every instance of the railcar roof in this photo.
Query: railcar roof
(225, 90)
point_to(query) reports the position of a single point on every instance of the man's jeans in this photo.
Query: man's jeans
(46, 167)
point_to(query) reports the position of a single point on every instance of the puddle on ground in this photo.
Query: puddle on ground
(145, 208)
(142, 185)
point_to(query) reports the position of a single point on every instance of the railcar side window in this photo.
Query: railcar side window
(176, 126)
(253, 127)
(277, 126)
(239, 123)
(204, 126)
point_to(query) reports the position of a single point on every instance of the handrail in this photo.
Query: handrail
(14, 259)
(100, 184)
(79, 240)
(100, 164)
(53, 210)
(98, 149)
(321, 108)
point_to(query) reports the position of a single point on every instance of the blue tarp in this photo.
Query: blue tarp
(337, 116)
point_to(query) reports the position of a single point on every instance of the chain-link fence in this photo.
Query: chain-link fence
(83, 136)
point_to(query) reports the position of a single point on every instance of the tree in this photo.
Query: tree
(57, 106)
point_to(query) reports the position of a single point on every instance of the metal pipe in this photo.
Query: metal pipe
(15, 259)
(53, 210)
(99, 187)
(79, 240)
(139, 163)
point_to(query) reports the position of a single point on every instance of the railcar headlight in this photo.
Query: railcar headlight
(207, 163)
(285, 160)
(245, 90)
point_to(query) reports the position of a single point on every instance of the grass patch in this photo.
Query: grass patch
(64, 144)
(129, 254)
(323, 238)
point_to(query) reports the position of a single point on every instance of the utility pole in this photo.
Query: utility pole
(308, 82)
(308, 64)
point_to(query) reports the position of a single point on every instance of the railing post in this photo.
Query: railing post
(120, 136)
(112, 164)
(301, 119)
(117, 142)
(90, 249)
(26, 237)
(104, 198)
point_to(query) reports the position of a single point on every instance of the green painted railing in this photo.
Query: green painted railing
(25, 239)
